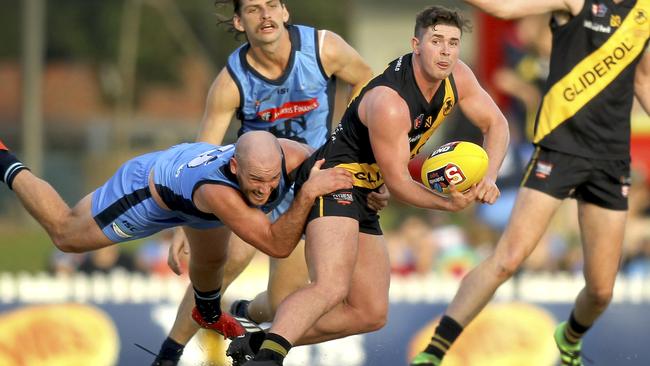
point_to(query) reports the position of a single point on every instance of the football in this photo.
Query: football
(460, 163)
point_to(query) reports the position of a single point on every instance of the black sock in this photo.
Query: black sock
(9, 167)
(208, 304)
(445, 335)
(275, 348)
(171, 350)
(574, 330)
(242, 309)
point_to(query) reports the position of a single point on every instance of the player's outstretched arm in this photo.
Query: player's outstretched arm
(388, 120)
(510, 9)
(276, 239)
(481, 110)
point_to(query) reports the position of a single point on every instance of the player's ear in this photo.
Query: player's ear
(233, 166)
(285, 13)
(415, 45)
(236, 23)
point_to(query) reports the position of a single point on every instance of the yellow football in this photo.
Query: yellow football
(460, 163)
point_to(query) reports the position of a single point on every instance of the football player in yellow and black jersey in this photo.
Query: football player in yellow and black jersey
(599, 62)
(383, 127)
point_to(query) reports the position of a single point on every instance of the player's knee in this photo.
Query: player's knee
(600, 296)
(373, 318)
(507, 265)
(334, 292)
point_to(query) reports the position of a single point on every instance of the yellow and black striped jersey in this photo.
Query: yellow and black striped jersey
(589, 92)
(349, 145)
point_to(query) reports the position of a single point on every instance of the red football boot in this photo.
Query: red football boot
(227, 326)
(3, 147)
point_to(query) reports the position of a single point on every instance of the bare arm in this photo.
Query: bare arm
(221, 104)
(343, 61)
(481, 110)
(388, 120)
(509, 9)
(642, 81)
(276, 239)
(294, 153)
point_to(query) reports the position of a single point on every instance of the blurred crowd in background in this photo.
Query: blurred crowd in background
(79, 156)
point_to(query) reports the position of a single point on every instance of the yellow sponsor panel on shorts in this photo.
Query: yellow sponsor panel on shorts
(365, 175)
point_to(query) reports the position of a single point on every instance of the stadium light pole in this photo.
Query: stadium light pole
(127, 65)
(33, 44)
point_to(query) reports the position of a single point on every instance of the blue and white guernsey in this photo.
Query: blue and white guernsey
(298, 105)
(124, 209)
(182, 169)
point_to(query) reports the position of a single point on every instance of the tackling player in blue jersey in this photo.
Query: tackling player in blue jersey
(211, 190)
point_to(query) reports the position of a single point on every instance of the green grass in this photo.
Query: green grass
(24, 249)
(28, 248)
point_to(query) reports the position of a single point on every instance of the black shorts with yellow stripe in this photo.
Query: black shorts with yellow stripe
(604, 183)
(351, 203)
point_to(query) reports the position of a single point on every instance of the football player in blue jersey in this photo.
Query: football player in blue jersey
(599, 63)
(281, 80)
(211, 190)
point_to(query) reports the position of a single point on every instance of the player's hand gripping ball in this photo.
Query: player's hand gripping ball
(460, 163)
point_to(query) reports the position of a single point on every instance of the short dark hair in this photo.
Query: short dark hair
(227, 21)
(236, 4)
(436, 14)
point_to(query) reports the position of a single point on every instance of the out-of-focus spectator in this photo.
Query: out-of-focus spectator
(638, 264)
(106, 260)
(522, 77)
(61, 263)
(402, 258)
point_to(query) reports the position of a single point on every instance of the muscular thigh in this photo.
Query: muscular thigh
(371, 277)
(331, 249)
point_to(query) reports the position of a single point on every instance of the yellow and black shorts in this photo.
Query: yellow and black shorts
(351, 203)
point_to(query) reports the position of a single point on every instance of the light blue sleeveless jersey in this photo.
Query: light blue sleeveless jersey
(298, 105)
(123, 207)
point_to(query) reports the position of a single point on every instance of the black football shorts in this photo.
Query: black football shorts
(351, 203)
(604, 183)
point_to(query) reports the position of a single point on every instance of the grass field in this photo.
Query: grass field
(28, 248)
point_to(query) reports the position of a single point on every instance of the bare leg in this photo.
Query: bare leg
(602, 236)
(239, 255)
(184, 327)
(286, 275)
(332, 244)
(530, 217)
(208, 254)
(365, 308)
(71, 230)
